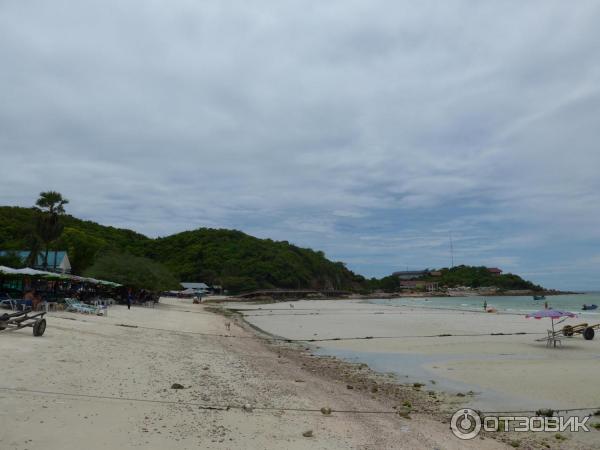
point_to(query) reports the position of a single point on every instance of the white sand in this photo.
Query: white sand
(93, 356)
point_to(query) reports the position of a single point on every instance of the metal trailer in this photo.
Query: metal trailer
(587, 331)
(23, 319)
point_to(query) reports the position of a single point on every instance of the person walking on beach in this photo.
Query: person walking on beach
(484, 304)
(129, 298)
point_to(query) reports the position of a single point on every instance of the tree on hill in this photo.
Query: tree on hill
(81, 247)
(51, 206)
(132, 271)
(480, 276)
(11, 259)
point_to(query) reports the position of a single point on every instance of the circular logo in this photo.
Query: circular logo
(465, 424)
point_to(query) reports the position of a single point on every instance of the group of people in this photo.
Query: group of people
(35, 298)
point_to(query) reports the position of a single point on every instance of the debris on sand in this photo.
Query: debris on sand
(177, 386)
(308, 433)
(404, 413)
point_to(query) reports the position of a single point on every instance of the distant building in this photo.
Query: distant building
(411, 274)
(436, 273)
(58, 261)
(195, 288)
(417, 284)
(411, 284)
(494, 271)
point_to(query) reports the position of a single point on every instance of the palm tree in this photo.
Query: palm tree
(51, 202)
(51, 205)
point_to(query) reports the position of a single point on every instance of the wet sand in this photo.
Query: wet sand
(508, 372)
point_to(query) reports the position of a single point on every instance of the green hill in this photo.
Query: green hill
(231, 258)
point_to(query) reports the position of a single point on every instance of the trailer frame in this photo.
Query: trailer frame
(585, 330)
(23, 319)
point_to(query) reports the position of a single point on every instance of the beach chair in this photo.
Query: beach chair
(75, 306)
(553, 339)
(12, 304)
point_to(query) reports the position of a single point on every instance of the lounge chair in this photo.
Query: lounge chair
(75, 306)
(8, 302)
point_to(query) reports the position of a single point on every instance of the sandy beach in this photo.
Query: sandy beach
(91, 382)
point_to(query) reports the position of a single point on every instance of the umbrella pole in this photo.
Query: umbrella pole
(553, 337)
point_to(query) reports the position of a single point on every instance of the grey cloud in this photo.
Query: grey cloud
(315, 122)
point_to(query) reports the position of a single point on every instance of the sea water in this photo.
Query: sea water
(505, 304)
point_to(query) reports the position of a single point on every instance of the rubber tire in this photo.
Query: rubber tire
(39, 327)
(567, 330)
(588, 334)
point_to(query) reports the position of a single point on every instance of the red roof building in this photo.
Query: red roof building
(494, 271)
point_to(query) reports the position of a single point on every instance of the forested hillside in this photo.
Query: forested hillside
(238, 260)
(233, 259)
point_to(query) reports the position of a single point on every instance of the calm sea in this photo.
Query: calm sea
(514, 305)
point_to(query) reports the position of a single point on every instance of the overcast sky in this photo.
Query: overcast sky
(368, 129)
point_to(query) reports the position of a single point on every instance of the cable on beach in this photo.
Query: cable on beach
(229, 407)
(182, 403)
(349, 338)
(354, 338)
(360, 311)
(443, 335)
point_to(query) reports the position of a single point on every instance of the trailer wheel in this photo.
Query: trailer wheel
(39, 327)
(588, 334)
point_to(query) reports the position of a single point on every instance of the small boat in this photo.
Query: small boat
(588, 307)
(539, 297)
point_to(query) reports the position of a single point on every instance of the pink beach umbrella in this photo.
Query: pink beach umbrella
(552, 313)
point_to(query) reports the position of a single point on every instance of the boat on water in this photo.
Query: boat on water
(588, 307)
(539, 297)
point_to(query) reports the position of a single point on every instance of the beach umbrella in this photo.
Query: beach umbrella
(551, 313)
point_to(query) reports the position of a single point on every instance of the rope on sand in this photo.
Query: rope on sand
(352, 338)
(281, 339)
(258, 408)
(197, 405)
(520, 333)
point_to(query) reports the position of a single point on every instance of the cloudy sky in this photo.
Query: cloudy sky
(368, 129)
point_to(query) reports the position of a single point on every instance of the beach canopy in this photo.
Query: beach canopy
(27, 271)
(551, 313)
(8, 270)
